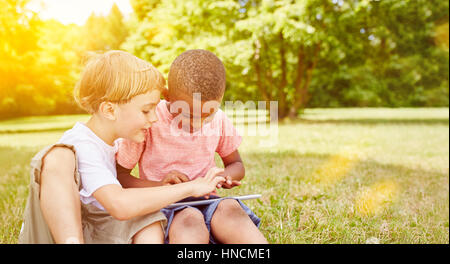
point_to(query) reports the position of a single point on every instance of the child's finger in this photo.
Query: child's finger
(175, 180)
(227, 186)
(207, 196)
(229, 180)
(183, 178)
(209, 173)
(213, 173)
(218, 180)
(233, 184)
(218, 172)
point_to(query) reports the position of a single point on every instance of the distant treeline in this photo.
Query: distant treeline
(309, 53)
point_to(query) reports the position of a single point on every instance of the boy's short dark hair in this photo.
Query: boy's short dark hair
(198, 71)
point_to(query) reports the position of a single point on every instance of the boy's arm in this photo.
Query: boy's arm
(124, 204)
(234, 170)
(128, 181)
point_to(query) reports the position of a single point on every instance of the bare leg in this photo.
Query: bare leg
(60, 201)
(231, 225)
(151, 234)
(188, 227)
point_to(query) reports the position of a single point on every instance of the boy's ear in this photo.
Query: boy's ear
(107, 110)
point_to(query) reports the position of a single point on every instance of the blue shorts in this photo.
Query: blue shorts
(207, 211)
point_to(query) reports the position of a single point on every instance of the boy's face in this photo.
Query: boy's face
(199, 113)
(134, 118)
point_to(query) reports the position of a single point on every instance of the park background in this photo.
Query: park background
(362, 89)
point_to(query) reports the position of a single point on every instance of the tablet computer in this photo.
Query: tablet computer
(208, 201)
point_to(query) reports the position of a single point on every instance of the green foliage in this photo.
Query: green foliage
(399, 62)
(105, 32)
(18, 50)
(308, 53)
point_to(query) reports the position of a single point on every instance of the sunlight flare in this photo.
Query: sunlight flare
(377, 197)
(336, 168)
(76, 11)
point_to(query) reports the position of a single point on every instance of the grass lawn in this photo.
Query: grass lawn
(337, 176)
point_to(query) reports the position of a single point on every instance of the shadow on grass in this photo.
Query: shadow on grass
(363, 121)
(291, 164)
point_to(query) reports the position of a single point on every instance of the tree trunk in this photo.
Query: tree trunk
(298, 82)
(301, 86)
(258, 70)
(282, 105)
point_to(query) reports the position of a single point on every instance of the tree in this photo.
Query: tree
(59, 59)
(273, 46)
(116, 27)
(286, 38)
(395, 62)
(307, 53)
(18, 49)
(102, 33)
(40, 61)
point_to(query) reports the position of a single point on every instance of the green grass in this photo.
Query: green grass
(336, 176)
(40, 123)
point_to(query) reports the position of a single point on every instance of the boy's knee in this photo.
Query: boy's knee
(73, 240)
(59, 160)
(229, 208)
(189, 226)
(190, 218)
(151, 234)
(59, 155)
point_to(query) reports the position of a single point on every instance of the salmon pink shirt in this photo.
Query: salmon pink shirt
(165, 148)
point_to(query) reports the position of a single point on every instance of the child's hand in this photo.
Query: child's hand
(206, 185)
(229, 183)
(175, 177)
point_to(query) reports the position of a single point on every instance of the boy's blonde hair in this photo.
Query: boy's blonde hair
(115, 76)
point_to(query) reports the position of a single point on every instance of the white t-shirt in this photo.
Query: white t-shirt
(96, 161)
